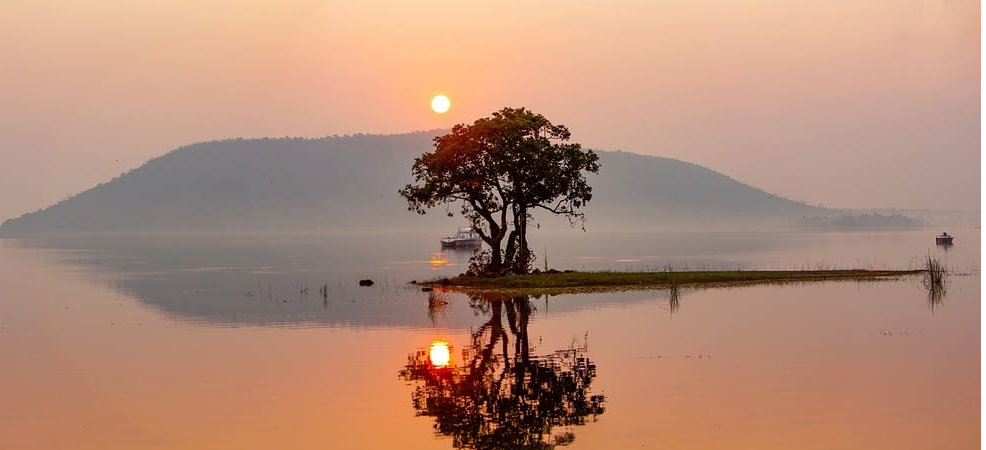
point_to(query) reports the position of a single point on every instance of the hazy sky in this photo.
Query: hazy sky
(846, 103)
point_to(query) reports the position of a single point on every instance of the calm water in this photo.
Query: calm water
(247, 342)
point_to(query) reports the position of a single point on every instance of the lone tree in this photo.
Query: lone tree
(500, 169)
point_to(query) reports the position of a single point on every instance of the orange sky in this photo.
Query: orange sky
(846, 103)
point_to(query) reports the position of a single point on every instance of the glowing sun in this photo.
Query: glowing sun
(440, 104)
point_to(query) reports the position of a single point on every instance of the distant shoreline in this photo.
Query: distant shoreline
(554, 282)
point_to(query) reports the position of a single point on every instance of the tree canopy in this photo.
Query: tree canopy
(500, 169)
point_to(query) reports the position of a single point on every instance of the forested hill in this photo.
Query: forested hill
(663, 189)
(351, 183)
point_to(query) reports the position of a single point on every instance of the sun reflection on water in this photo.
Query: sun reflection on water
(439, 353)
(438, 259)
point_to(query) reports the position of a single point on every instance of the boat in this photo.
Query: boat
(464, 237)
(943, 239)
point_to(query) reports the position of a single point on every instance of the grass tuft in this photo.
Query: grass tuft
(934, 272)
(935, 275)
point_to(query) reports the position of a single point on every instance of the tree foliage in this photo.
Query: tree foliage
(500, 169)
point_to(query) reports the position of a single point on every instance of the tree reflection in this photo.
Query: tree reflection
(501, 396)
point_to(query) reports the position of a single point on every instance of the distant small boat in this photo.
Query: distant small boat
(464, 237)
(943, 239)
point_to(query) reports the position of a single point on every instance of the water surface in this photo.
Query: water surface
(233, 343)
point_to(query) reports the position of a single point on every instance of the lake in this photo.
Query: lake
(269, 342)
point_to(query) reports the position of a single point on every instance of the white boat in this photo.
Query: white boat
(464, 237)
(944, 239)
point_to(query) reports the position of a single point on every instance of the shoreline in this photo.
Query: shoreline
(555, 282)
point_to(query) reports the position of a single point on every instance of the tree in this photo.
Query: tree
(500, 169)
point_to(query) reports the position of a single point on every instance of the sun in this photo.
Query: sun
(440, 104)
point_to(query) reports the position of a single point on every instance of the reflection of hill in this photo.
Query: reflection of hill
(351, 183)
(279, 281)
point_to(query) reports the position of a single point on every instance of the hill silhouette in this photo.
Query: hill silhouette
(345, 183)
(660, 190)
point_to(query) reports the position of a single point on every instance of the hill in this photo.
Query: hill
(351, 183)
(656, 190)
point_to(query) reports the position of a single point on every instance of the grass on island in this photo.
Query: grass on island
(570, 281)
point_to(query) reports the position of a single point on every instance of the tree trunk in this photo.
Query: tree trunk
(495, 241)
(523, 253)
(518, 257)
(509, 255)
(496, 259)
